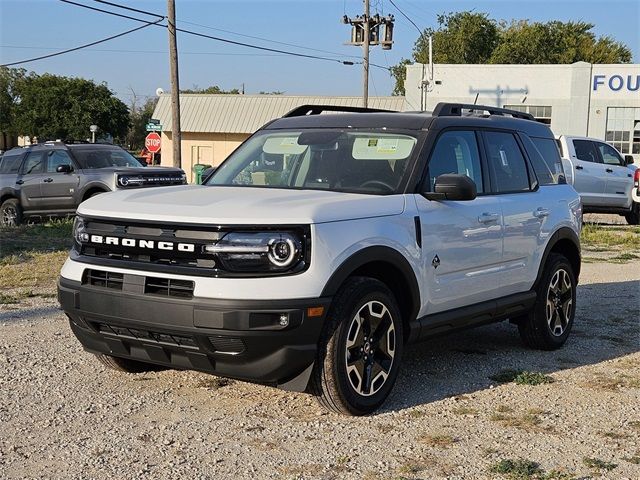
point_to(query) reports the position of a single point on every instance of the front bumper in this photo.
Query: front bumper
(232, 338)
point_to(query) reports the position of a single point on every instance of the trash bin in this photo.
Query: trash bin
(197, 169)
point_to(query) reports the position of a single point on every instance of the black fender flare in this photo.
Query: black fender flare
(375, 254)
(563, 233)
(92, 185)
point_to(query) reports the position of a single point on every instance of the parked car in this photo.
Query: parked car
(325, 243)
(52, 179)
(601, 175)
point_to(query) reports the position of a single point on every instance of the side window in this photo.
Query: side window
(10, 163)
(456, 152)
(609, 154)
(33, 163)
(506, 163)
(55, 158)
(586, 151)
(550, 156)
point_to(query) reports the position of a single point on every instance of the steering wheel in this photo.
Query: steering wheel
(378, 183)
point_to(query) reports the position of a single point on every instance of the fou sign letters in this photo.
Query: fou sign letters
(617, 82)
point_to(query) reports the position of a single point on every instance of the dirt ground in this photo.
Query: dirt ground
(62, 415)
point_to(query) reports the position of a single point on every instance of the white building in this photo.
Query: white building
(601, 101)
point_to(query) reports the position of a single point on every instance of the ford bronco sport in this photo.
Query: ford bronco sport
(325, 243)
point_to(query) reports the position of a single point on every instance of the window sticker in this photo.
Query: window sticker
(388, 145)
(503, 158)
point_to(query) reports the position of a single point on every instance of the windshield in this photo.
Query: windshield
(360, 161)
(105, 157)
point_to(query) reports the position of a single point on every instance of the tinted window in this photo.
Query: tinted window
(456, 152)
(33, 163)
(609, 154)
(104, 157)
(506, 163)
(586, 151)
(10, 163)
(57, 158)
(549, 154)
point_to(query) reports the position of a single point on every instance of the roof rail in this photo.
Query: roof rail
(455, 110)
(303, 110)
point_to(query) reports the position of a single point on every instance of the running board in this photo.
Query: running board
(471, 316)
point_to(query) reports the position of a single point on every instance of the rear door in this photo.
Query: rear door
(461, 240)
(619, 179)
(29, 180)
(589, 175)
(58, 188)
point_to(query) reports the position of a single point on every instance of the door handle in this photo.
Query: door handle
(488, 217)
(541, 212)
(609, 170)
(48, 180)
(579, 167)
(19, 182)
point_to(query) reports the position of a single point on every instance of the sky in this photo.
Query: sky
(137, 64)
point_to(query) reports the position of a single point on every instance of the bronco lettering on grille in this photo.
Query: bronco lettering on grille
(150, 244)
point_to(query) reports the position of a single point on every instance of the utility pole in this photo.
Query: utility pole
(365, 56)
(175, 84)
(365, 32)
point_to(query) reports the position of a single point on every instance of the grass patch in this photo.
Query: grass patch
(411, 467)
(214, 383)
(597, 464)
(522, 377)
(623, 258)
(6, 299)
(438, 440)
(516, 469)
(597, 236)
(462, 410)
(615, 435)
(635, 459)
(31, 256)
(603, 382)
(525, 421)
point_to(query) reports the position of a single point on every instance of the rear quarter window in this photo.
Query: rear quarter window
(10, 163)
(545, 159)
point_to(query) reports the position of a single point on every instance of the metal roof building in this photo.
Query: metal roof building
(214, 125)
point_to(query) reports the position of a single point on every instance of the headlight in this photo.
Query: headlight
(80, 236)
(263, 251)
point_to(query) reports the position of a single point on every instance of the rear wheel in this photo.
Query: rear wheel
(548, 325)
(11, 213)
(360, 349)
(126, 365)
(633, 217)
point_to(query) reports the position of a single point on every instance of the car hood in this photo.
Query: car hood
(137, 170)
(239, 205)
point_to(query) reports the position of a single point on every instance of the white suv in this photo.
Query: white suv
(325, 243)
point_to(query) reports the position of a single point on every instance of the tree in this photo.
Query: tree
(51, 107)
(9, 77)
(139, 116)
(213, 89)
(470, 37)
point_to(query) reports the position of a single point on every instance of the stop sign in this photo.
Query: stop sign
(152, 142)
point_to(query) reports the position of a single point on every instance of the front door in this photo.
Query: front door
(58, 189)
(461, 240)
(619, 179)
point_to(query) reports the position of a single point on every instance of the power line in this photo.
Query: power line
(118, 50)
(131, 9)
(407, 17)
(211, 37)
(42, 57)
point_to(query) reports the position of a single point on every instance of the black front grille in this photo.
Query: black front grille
(228, 345)
(168, 287)
(146, 335)
(104, 279)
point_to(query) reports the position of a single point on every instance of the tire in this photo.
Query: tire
(548, 325)
(633, 217)
(11, 213)
(341, 387)
(95, 194)
(126, 365)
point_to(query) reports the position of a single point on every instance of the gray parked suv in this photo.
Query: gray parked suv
(52, 179)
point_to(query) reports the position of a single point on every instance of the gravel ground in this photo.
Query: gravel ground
(62, 415)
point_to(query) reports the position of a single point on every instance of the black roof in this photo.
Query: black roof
(444, 115)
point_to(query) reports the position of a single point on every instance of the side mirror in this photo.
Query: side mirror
(628, 159)
(453, 186)
(64, 169)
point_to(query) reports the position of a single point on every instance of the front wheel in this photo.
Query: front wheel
(548, 325)
(633, 217)
(360, 349)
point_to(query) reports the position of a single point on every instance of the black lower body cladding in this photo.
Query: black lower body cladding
(268, 341)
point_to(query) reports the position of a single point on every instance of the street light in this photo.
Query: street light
(93, 129)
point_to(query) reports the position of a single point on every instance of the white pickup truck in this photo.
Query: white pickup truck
(606, 181)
